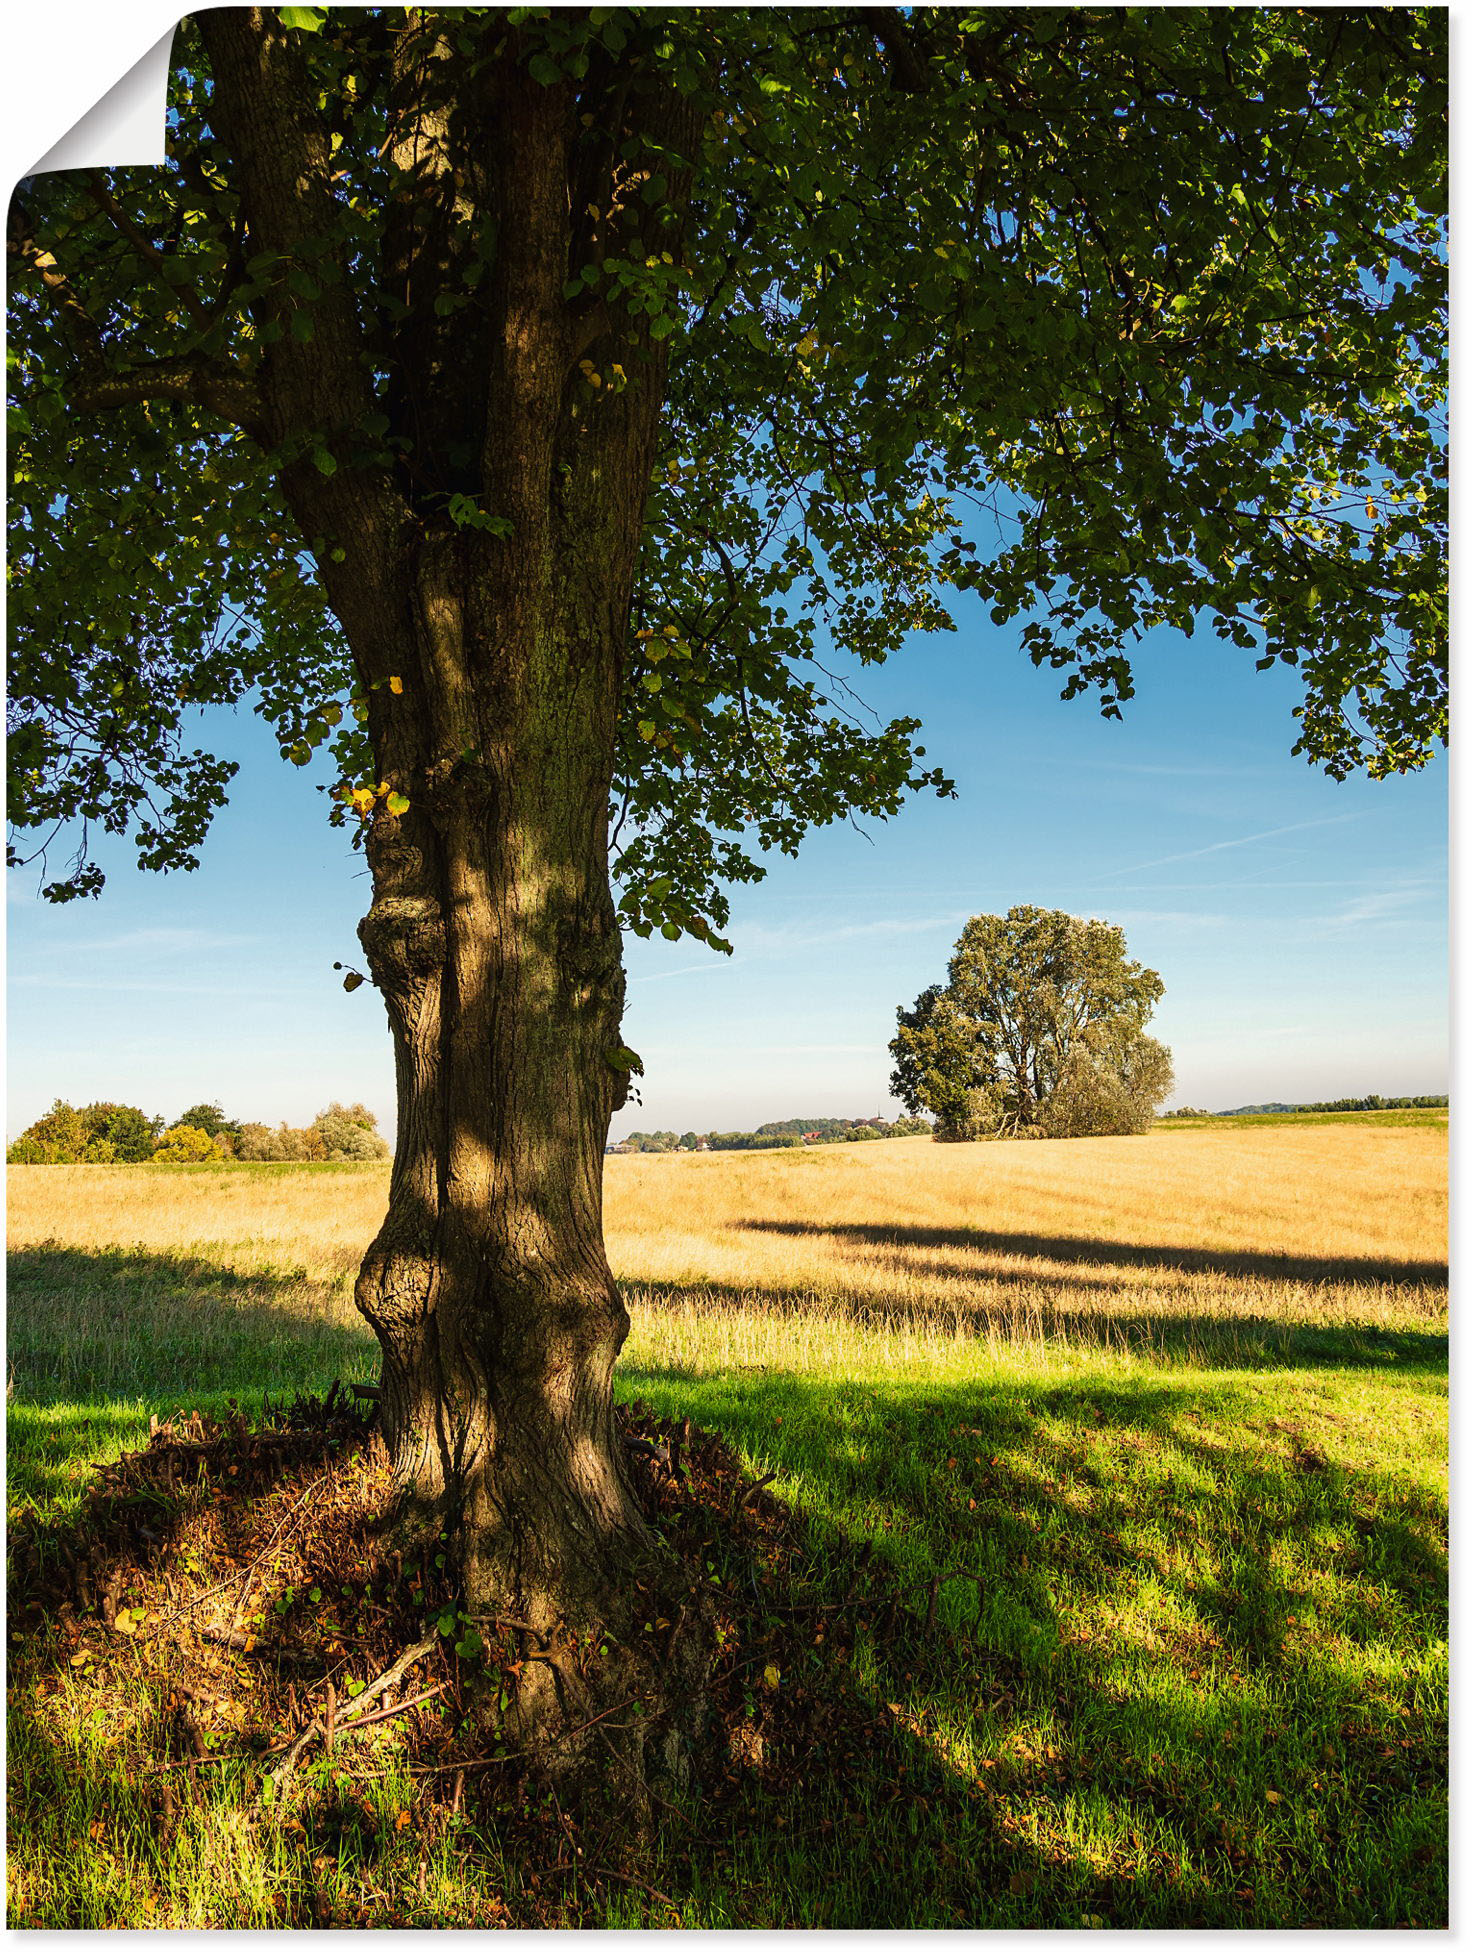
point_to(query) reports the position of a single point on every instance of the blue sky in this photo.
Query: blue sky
(1298, 924)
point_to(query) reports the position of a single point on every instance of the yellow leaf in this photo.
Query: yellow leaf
(123, 1621)
(771, 1675)
(397, 803)
(396, 685)
(1272, 1796)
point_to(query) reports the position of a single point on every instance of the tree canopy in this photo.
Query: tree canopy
(1039, 1032)
(1116, 320)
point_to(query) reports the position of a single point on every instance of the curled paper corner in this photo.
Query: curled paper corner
(125, 126)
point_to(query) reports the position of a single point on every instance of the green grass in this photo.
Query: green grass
(1429, 1115)
(1218, 1601)
(1187, 1665)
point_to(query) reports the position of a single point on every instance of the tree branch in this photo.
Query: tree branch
(212, 383)
(223, 388)
(906, 69)
(106, 202)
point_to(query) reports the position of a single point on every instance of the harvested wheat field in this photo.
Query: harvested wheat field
(1100, 1560)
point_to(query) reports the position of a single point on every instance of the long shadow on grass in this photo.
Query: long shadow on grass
(1359, 1270)
(1242, 1341)
(1153, 1676)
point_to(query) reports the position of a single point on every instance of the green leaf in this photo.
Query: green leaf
(397, 803)
(306, 20)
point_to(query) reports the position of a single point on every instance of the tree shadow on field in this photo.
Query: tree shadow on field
(1120, 1630)
(1356, 1270)
(1232, 1339)
(99, 1340)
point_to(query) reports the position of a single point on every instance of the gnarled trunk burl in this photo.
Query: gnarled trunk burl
(491, 653)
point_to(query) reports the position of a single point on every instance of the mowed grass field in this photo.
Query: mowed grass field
(1152, 1431)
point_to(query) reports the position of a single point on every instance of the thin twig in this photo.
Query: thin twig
(518, 1755)
(194, 1762)
(622, 1877)
(391, 1676)
(751, 1491)
(245, 1571)
(386, 1714)
(350, 1716)
(273, 1545)
(293, 1754)
(825, 1606)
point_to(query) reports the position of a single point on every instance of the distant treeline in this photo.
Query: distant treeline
(105, 1134)
(1374, 1103)
(778, 1134)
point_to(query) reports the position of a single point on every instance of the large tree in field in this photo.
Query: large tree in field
(1038, 1032)
(540, 409)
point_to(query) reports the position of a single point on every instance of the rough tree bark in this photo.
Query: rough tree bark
(492, 934)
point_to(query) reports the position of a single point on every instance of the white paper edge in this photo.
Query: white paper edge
(124, 128)
(103, 76)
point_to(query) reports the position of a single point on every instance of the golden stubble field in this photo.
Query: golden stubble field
(786, 1256)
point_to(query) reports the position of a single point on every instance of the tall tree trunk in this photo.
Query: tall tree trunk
(493, 939)
(492, 652)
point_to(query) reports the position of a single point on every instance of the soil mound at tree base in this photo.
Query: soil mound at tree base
(239, 1577)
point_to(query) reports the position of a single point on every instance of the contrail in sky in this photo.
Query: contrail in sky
(1270, 833)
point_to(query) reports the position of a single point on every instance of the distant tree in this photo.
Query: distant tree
(689, 1141)
(212, 1119)
(1039, 1032)
(187, 1145)
(58, 1138)
(131, 1133)
(96, 1135)
(349, 1132)
(280, 1143)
